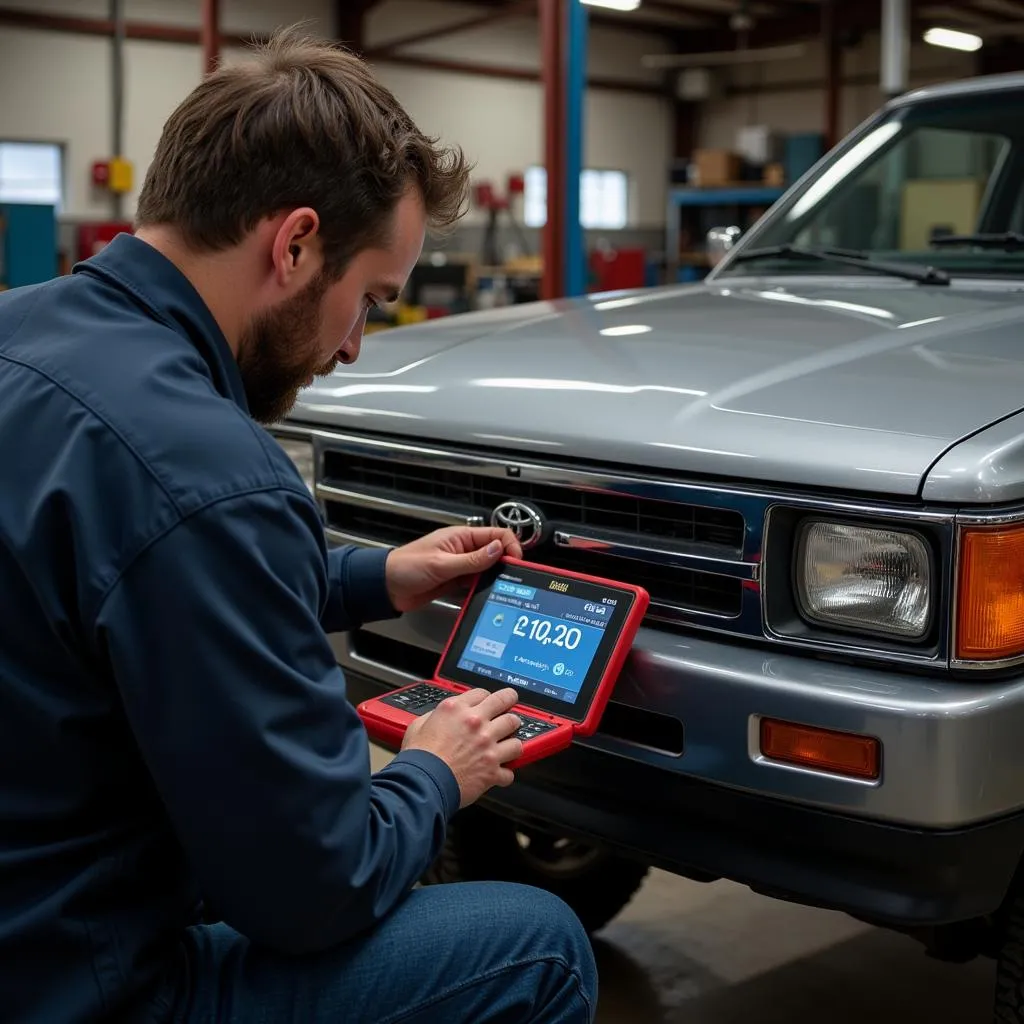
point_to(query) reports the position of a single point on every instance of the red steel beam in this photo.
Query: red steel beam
(686, 120)
(209, 34)
(12, 17)
(681, 10)
(350, 23)
(515, 10)
(619, 22)
(862, 16)
(462, 67)
(552, 49)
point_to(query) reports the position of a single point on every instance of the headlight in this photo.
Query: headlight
(301, 453)
(864, 578)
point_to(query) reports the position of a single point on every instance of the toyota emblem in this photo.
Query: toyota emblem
(525, 521)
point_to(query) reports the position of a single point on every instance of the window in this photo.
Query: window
(31, 172)
(604, 198)
(913, 177)
(930, 179)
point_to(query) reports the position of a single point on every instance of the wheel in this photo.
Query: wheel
(1010, 968)
(482, 846)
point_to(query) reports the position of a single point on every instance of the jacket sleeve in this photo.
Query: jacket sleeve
(357, 589)
(214, 640)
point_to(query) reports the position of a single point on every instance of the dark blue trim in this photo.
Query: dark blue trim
(576, 92)
(756, 195)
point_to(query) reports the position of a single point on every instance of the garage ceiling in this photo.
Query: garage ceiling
(699, 24)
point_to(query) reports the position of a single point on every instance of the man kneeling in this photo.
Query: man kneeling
(173, 723)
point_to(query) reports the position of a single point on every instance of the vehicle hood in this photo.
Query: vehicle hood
(808, 383)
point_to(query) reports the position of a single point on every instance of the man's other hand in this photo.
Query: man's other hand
(426, 569)
(474, 734)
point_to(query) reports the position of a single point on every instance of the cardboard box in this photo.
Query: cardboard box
(775, 175)
(715, 167)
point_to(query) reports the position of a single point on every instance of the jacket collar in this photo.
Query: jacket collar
(169, 296)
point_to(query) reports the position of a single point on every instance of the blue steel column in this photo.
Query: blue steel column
(575, 113)
(552, 35)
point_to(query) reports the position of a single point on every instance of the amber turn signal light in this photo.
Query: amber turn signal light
(841, 753)
(990, 601)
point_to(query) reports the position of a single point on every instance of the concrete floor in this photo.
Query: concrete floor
(689, 953)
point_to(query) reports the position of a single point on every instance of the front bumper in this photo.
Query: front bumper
(951, 751)
(936, 839)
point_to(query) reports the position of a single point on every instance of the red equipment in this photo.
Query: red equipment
(518, 618)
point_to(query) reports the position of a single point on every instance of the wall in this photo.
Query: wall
(800, 107)
(501, 122)
(57, 87)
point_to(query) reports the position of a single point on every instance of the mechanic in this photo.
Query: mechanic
(174, 729)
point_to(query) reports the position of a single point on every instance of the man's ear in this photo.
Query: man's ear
(297, 254)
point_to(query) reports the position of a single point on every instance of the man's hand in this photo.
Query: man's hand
(419, 572)
(473, 734)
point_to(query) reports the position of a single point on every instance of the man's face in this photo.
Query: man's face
(283, 349)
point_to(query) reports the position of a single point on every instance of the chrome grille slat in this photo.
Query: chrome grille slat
(581, 507)
(688, 556)
(674, 591)
(700, 559)
(753, 504)
(383, 502)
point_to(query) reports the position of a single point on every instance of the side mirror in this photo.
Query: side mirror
(720, 241)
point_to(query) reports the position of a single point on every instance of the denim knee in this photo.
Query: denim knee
(559, 935)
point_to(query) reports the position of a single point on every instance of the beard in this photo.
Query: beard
(278, 353)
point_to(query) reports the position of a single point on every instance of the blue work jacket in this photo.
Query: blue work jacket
(173, 723)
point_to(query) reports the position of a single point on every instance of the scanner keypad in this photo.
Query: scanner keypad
(419, 699)
(424, 697)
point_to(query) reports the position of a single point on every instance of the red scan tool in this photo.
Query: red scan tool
(559, 638)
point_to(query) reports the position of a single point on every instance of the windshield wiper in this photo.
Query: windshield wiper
(849, 257)
(1008, 241)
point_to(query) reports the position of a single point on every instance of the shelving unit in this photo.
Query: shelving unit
(736, 202)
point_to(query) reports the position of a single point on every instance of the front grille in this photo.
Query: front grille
(383, 499)
(641, 517)
(386, 528)
(668, 585)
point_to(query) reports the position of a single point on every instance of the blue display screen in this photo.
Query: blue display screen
(538, 640)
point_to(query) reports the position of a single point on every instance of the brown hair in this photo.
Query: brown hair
(301, 123)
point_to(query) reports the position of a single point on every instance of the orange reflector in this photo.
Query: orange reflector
(990, 604)
(841, 753)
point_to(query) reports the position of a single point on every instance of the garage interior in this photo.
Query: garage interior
(609, 138)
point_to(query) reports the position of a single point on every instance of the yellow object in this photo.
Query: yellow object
(411, 315)
(525, 265)
(120, 174)
(990, 604)
(930, 204)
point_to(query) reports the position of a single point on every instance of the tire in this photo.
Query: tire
(482, 846)
(1009, 1008)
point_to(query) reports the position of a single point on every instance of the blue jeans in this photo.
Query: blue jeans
(470, 953)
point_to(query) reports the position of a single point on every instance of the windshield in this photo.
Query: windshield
(953, 166)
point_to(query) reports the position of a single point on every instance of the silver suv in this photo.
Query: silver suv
(814, 461)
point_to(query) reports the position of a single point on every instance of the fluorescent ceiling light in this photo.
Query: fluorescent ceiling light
(625, 330)
(613, 5)
(953, 40)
